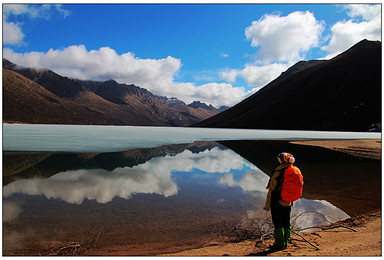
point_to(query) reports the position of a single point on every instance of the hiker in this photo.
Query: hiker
(284, 187)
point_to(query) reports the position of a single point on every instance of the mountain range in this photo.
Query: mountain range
(340, 94)
(43, 96)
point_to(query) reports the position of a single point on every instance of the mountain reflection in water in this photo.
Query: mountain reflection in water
(149, 198)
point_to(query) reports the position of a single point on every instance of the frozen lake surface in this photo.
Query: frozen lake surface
(81, 138)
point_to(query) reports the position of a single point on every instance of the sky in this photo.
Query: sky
(216, 53)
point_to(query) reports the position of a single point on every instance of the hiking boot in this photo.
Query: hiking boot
(279, 244)
(287, 236)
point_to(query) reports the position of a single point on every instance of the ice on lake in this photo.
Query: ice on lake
(81, 138)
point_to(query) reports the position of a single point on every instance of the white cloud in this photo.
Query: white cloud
(156, 75)
(255, 75)
(287, 38)
(218, 94)
(366, 11)
(281, 42)
(261, 75)
(41, 11)
(224, 55)
(64, 12)
(345, 34)
(14, 9)
(12, 32)
(230, 75)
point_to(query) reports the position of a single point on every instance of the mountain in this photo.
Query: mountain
(341, 94)
(62, 87)
(198, 105)
(43, 96)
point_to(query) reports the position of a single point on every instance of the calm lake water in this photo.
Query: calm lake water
(141, 201)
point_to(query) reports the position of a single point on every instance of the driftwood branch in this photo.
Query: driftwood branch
(306, 240)
(260, 229)
(322, 227)
(74, 248)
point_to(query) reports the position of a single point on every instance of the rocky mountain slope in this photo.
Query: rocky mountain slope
(42, 96)
(342, 94)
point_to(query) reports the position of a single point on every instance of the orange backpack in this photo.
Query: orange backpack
(292, 184)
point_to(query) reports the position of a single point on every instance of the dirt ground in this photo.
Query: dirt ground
(363, 240)
(370, 149)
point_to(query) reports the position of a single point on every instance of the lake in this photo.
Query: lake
(147, 191)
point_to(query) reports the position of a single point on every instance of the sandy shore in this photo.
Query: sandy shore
(370, 149)
(365, 240)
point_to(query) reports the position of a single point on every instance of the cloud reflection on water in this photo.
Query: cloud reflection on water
(228, 169)
(250, 181)
(305, 213)
(10, 211)
(152, 177)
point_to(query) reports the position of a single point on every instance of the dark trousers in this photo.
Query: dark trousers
(280, 215)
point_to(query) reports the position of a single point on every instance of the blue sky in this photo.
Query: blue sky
(215, 53)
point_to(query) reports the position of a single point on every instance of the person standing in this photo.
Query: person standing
(280, 198)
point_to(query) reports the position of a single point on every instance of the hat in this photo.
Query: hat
(285, 158)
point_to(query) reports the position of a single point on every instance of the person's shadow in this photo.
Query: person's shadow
(262, 253)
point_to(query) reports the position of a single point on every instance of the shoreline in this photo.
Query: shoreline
(336, 242)
(369, 149)
(363, 239)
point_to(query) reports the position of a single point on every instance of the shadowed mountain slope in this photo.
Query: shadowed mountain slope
(342, 94)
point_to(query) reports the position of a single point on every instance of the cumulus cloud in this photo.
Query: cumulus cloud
(281, 41)
(12, 32)
(367, 11)
(156, 75)
(230, 75)
(261, 75)
(255, 75)
(365, 24)
(285, 39)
